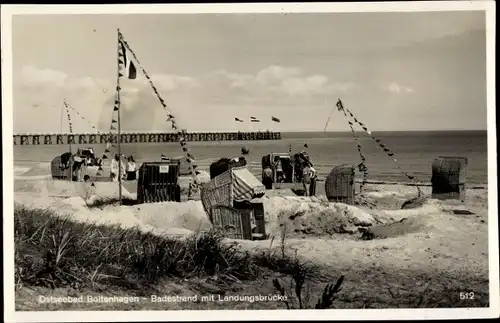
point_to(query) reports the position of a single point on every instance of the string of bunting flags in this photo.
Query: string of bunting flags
(67, 107)
(69, 121)
(112, 132)
(83, 118)
(254, 119)
(362, 167)
(130, 70)
(389, 153)
(97, 131)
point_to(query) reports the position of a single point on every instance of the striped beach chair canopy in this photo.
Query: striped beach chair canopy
(236, 184)
(245, 185)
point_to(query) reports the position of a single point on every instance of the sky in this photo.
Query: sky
(394, 71)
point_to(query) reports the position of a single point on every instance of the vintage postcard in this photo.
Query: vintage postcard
(249, 161)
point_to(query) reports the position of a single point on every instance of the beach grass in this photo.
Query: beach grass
(53, 252)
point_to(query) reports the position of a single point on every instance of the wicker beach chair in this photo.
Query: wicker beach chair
(219, 197)
(59, 170)
(340, 184)
(449, 177)
(231, 222)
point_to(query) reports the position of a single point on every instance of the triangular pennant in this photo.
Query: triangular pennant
(112, 127)
(116, 108)
(185, 149)
(113, 121)
(104, 157)
(120, 61)
(118, 88)
(120, 74)
(100, 168)
(93, 185)
(106, 151)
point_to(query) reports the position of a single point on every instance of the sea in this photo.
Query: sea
(414, 152)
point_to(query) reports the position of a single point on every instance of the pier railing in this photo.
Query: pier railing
(138, 137)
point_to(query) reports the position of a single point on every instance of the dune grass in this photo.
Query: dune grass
(54, 252)
(51, 251)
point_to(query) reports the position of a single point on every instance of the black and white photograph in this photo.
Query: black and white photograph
(202, 162)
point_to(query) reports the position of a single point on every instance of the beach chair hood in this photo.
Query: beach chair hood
(246, 186)
(236, 184)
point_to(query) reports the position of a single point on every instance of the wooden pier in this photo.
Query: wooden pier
(138, 137)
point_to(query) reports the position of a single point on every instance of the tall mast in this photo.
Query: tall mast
(118, 137)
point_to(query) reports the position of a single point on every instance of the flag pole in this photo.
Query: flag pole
(118, 139)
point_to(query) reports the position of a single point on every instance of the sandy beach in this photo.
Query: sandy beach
(435, 241)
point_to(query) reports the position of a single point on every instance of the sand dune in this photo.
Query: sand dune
(430, 238)
(302, 215)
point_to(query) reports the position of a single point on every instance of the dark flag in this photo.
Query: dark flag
(129, 66)
(275, 119)
(305, 145)
(164, 158)
(340, 107)
(255, 120)
(238, 120)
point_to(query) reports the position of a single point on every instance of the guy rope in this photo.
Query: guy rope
(389, 153)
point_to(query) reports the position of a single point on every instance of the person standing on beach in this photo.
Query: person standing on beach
(309, 175)
(267, 179)
(131, 169)
(279, 169)
(306, 178)
(114, 168)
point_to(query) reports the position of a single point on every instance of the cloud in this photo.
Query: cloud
(43, 90)
(279, 85)
(399, 89)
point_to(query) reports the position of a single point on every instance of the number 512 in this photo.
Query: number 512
(467, 295)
